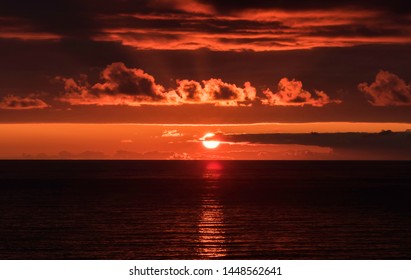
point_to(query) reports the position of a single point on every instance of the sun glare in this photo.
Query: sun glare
(210, 144)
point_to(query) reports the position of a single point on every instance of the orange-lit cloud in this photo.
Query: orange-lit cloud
(121, 86)
(12, 102)
(171, 133)
(216, 25)
(215, 91)
(134, 87)
(387, 90)
(251, 29)
(291, 93)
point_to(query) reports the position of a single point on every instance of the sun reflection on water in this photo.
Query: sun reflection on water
(212, 237)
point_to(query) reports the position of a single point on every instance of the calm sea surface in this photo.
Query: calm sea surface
(205, 209)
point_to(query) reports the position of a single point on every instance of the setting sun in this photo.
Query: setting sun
(210, 144)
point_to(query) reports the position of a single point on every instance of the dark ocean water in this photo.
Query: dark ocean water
(205, 209)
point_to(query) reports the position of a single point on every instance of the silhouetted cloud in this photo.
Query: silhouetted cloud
(291, 93)
(12, 102)
(354, 145)
(226, 6)
(387, 90)
(121, 86)
(134, 87)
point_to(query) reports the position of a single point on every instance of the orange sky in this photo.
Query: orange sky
(155, 141)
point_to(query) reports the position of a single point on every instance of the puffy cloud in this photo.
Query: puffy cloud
(12, 102)
(387, 90)
(122, 80)
(291, 93)
(215, 91)
(229, 94)
(121, 86)
(133, 87)
(190, 90)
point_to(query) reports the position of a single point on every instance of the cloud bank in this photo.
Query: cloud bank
(133, 87)
(348, 145)
(215, 25)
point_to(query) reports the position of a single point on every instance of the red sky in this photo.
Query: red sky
(197, 62)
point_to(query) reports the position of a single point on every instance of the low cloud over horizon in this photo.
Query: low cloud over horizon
(345, 145)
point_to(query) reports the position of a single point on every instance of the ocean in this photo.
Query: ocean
(205, 209)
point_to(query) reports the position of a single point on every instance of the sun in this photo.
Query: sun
(210, 144)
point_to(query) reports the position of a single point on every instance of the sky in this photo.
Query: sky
(122, 68)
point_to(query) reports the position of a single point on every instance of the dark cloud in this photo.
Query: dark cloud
(383, 145)
(121, 86)
(387, 90)
(122, 80)
(12, 102)
(358, 30)
(227, 5)
(133, 87)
